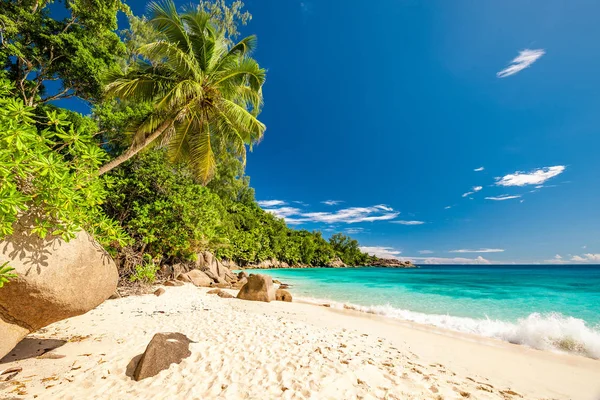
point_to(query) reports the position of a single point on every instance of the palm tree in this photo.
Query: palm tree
(206, 94)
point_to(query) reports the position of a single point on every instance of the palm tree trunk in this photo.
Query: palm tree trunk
(134, 149)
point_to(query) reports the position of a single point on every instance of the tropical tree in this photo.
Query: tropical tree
(206, 94)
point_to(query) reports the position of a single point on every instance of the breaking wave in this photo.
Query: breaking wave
(552, 331)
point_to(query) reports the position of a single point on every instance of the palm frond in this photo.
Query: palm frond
(170, 56)
(167, 21)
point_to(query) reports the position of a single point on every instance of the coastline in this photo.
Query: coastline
(243, 349)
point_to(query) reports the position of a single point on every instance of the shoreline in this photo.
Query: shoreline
(242, 350)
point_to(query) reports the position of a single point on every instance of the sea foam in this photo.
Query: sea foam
(551, 331)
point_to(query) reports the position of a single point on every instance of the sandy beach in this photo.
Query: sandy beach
(255, 350)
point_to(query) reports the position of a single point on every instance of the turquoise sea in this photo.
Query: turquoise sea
(552, 307)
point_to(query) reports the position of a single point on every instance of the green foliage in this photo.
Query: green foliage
(168, 214)
(206, 93)
(145, 272)
(76, 50)
(348, 250)
(48, 176)
(6, 274)
(162, 208)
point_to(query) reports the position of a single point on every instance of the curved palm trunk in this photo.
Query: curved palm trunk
(134, 149)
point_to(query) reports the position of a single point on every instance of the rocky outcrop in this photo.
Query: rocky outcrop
(239, 284)
(283, 295)
(390, 263)
(56, 280)
(258, 288)
(337, 263)
(163, 350)
(214, 268)
(198, 278)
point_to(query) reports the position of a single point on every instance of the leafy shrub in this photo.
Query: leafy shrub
(48, 174)
(146, 272)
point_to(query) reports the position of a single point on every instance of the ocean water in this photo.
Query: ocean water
(547, 307)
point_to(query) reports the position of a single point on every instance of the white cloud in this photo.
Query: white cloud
(353, 231)
(351, 215)
(587, 258)
(557, 260)
(442, 260)
(477, 251)
(332, 202)
(425, 252)
(503, 197)
(447, 207)
(381, 252)
(479, 169)
(283, 212)
(523, 60)
(474, 190)
(408, 222)
(535, 177)
(271, 203)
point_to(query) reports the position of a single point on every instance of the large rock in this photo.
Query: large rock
(337, 262)
(212, 267)
(258, 288)
(56, 280)
(283, 295)
(198, 278)
(163, 350)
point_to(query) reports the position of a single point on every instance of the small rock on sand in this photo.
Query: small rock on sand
(163, 350)
(225, 295)
(159, 292)
(283, 295)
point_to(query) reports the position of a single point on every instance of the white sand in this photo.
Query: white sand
(250, 350)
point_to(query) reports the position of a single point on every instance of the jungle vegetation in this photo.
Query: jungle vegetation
(155, 169)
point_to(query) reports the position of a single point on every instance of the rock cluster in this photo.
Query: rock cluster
(390, 263)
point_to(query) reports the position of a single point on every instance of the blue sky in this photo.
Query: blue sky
(389, 107)
(438, 131)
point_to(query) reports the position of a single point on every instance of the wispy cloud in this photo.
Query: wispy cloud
(503, 197)
(523, 60)
(479, 169)
(271, 203)
(353, 231)
(444, 260)
(332, 202)
(402, 222)
(425, 252)
(381, 252)
(477, 251)
(447, 207)
(351, 215)
(473, 191)
(535, 177)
